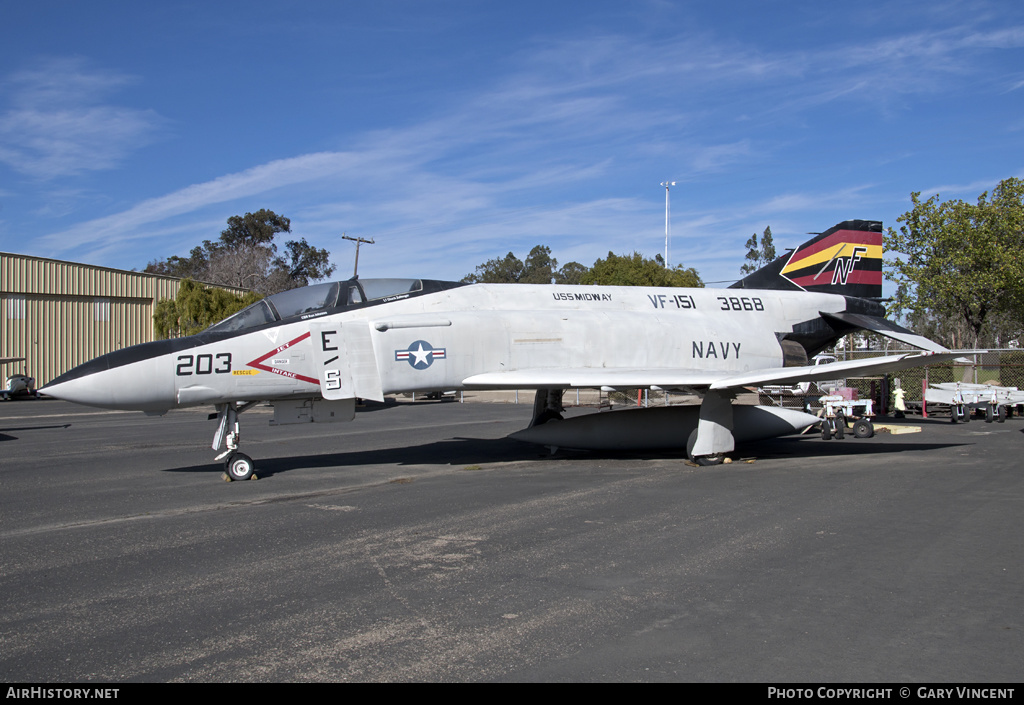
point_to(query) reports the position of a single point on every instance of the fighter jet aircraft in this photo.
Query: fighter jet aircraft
(312, 351)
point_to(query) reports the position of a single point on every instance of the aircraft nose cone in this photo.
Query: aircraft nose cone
(92, 389)
(124, 379)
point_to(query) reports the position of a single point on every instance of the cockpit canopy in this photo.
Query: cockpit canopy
(320, 297)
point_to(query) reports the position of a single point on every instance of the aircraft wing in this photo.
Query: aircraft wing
(835, 370)
(593, 377)
(671, 378)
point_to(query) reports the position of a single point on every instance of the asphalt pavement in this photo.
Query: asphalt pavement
(418, 543)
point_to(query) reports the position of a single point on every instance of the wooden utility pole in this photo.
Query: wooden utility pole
(358, 241)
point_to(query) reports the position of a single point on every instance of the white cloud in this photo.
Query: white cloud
(56, 125)
(718, 157)
(523, 161)
(968, 192)
(261, 179)
(839, 200)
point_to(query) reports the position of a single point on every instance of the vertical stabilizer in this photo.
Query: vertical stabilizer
(846, 259)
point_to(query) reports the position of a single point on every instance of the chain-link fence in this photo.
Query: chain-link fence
(642, 398)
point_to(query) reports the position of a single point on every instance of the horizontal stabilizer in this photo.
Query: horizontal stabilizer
(884, 327)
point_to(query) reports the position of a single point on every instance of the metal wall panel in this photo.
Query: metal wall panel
(60, 314)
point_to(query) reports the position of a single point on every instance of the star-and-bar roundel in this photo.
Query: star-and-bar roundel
(420, 354)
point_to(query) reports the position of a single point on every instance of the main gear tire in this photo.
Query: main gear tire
(702, 460)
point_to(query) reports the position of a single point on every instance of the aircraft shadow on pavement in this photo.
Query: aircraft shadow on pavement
(467, 452)
(369, 406)
(5, 437)
(807, 447)
(452, 451)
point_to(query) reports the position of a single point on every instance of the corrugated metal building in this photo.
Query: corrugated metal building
(60, 314)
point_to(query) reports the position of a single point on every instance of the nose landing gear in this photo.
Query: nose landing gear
(237, 466)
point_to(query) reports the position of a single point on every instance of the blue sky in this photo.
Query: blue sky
(453, 132)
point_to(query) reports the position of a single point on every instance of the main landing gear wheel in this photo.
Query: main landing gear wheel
(702, 460)
(239, 466)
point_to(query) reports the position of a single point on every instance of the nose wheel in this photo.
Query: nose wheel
(239, 466)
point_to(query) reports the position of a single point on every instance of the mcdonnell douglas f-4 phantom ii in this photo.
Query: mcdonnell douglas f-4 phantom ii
(312, 351)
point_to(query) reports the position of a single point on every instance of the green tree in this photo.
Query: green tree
(253, 229)
(758, 256)
(191, 267)
(637, 270)
(571, 273)
(504, 270)
(958, 266)
(196, 308)
(246, 257)
(767, 246)
(305, 263)
(539, 268)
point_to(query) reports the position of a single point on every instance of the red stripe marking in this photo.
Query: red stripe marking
(258, 362)
(857, 237)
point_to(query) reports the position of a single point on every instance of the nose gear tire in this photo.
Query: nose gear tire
(239, 466)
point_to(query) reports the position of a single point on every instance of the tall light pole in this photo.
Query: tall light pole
(666, 184)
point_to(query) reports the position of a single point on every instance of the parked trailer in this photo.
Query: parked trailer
(963, 399)
(837, 409)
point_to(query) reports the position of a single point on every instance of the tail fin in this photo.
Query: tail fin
(846, 259)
